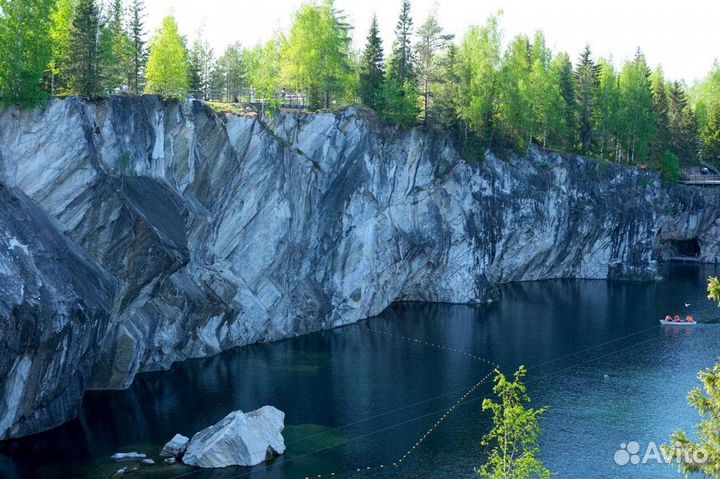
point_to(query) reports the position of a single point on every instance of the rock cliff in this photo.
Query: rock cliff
(193, 233)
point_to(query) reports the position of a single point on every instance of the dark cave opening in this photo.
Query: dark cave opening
(689, 248)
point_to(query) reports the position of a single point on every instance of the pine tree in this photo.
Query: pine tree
(401, 66)
(115, 49)
(25, 50)
(138, 52)
(586, 82)
(682, 124)
(201, 62)
(167, 66)
(372, 69)
(432, 42)
(563, 69)
(661, 141)
(84, 54)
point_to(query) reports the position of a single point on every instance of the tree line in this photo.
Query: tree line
(486, 93)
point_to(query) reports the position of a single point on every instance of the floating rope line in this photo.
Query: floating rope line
(446, 413)
(437, 346)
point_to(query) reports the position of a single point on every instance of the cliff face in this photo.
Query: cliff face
(210, 233)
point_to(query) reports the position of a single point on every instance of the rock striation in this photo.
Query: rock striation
(194, 233)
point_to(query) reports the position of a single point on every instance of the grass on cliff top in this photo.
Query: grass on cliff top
(228, 108)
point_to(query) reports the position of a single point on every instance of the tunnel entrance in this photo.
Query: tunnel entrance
(686, 248)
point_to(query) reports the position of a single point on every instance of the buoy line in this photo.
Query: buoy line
(461, 402)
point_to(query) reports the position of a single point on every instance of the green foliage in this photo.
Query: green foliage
(670, 167)
(515, 432)
(25, 50)
(478, 63)
(138, 52)
(707, 403)
(115, 50)
(636, 116)
(401, 65)
(714, 290)
(661, 141)
(263, 71)
(167, 67)
(316, 57)
(229, 75)
(586, 85)
(684, 140)
(201, 62)
(61, 19)
(710, 134)
(429, 49)
(372, 66)
(400, 103)
(84, 52)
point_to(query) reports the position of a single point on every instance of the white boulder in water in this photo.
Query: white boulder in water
(175, 447)
(239, 439)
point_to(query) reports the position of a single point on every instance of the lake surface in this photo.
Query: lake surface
(362, 396)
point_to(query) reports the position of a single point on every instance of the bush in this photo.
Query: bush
(670, 167)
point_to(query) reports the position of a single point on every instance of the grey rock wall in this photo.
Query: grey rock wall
(221, 232)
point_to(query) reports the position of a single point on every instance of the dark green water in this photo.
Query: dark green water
(356, 398)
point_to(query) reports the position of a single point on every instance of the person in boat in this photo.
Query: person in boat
(668, 318)
(690, 319)
(677, 318)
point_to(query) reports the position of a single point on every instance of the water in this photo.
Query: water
(356, 398)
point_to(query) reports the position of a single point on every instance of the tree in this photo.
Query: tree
(637, 118)
(563, 70)
(201, 62)
(84, 53)
(61, 19)
(478, 63)
(263, 71)
(548, 106)
(167, 67)
(515, 432)
(372, 70)
(514, 106)
(432, 42)
(315, 59)
(138, 53)
(25, 50)
(607, 111)
(229, 75)
(445, 91)
(115, 49)
(400, 105)
(661, 141)
(710, 134)
(682, 123)
(586, 83)
(401, 66)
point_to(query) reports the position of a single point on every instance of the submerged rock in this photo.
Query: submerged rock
(127, 456)
(147, 462)
(239, 439)
(175, 447)
(170, 460)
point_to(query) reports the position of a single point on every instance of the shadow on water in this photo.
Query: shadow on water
(355, 398)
